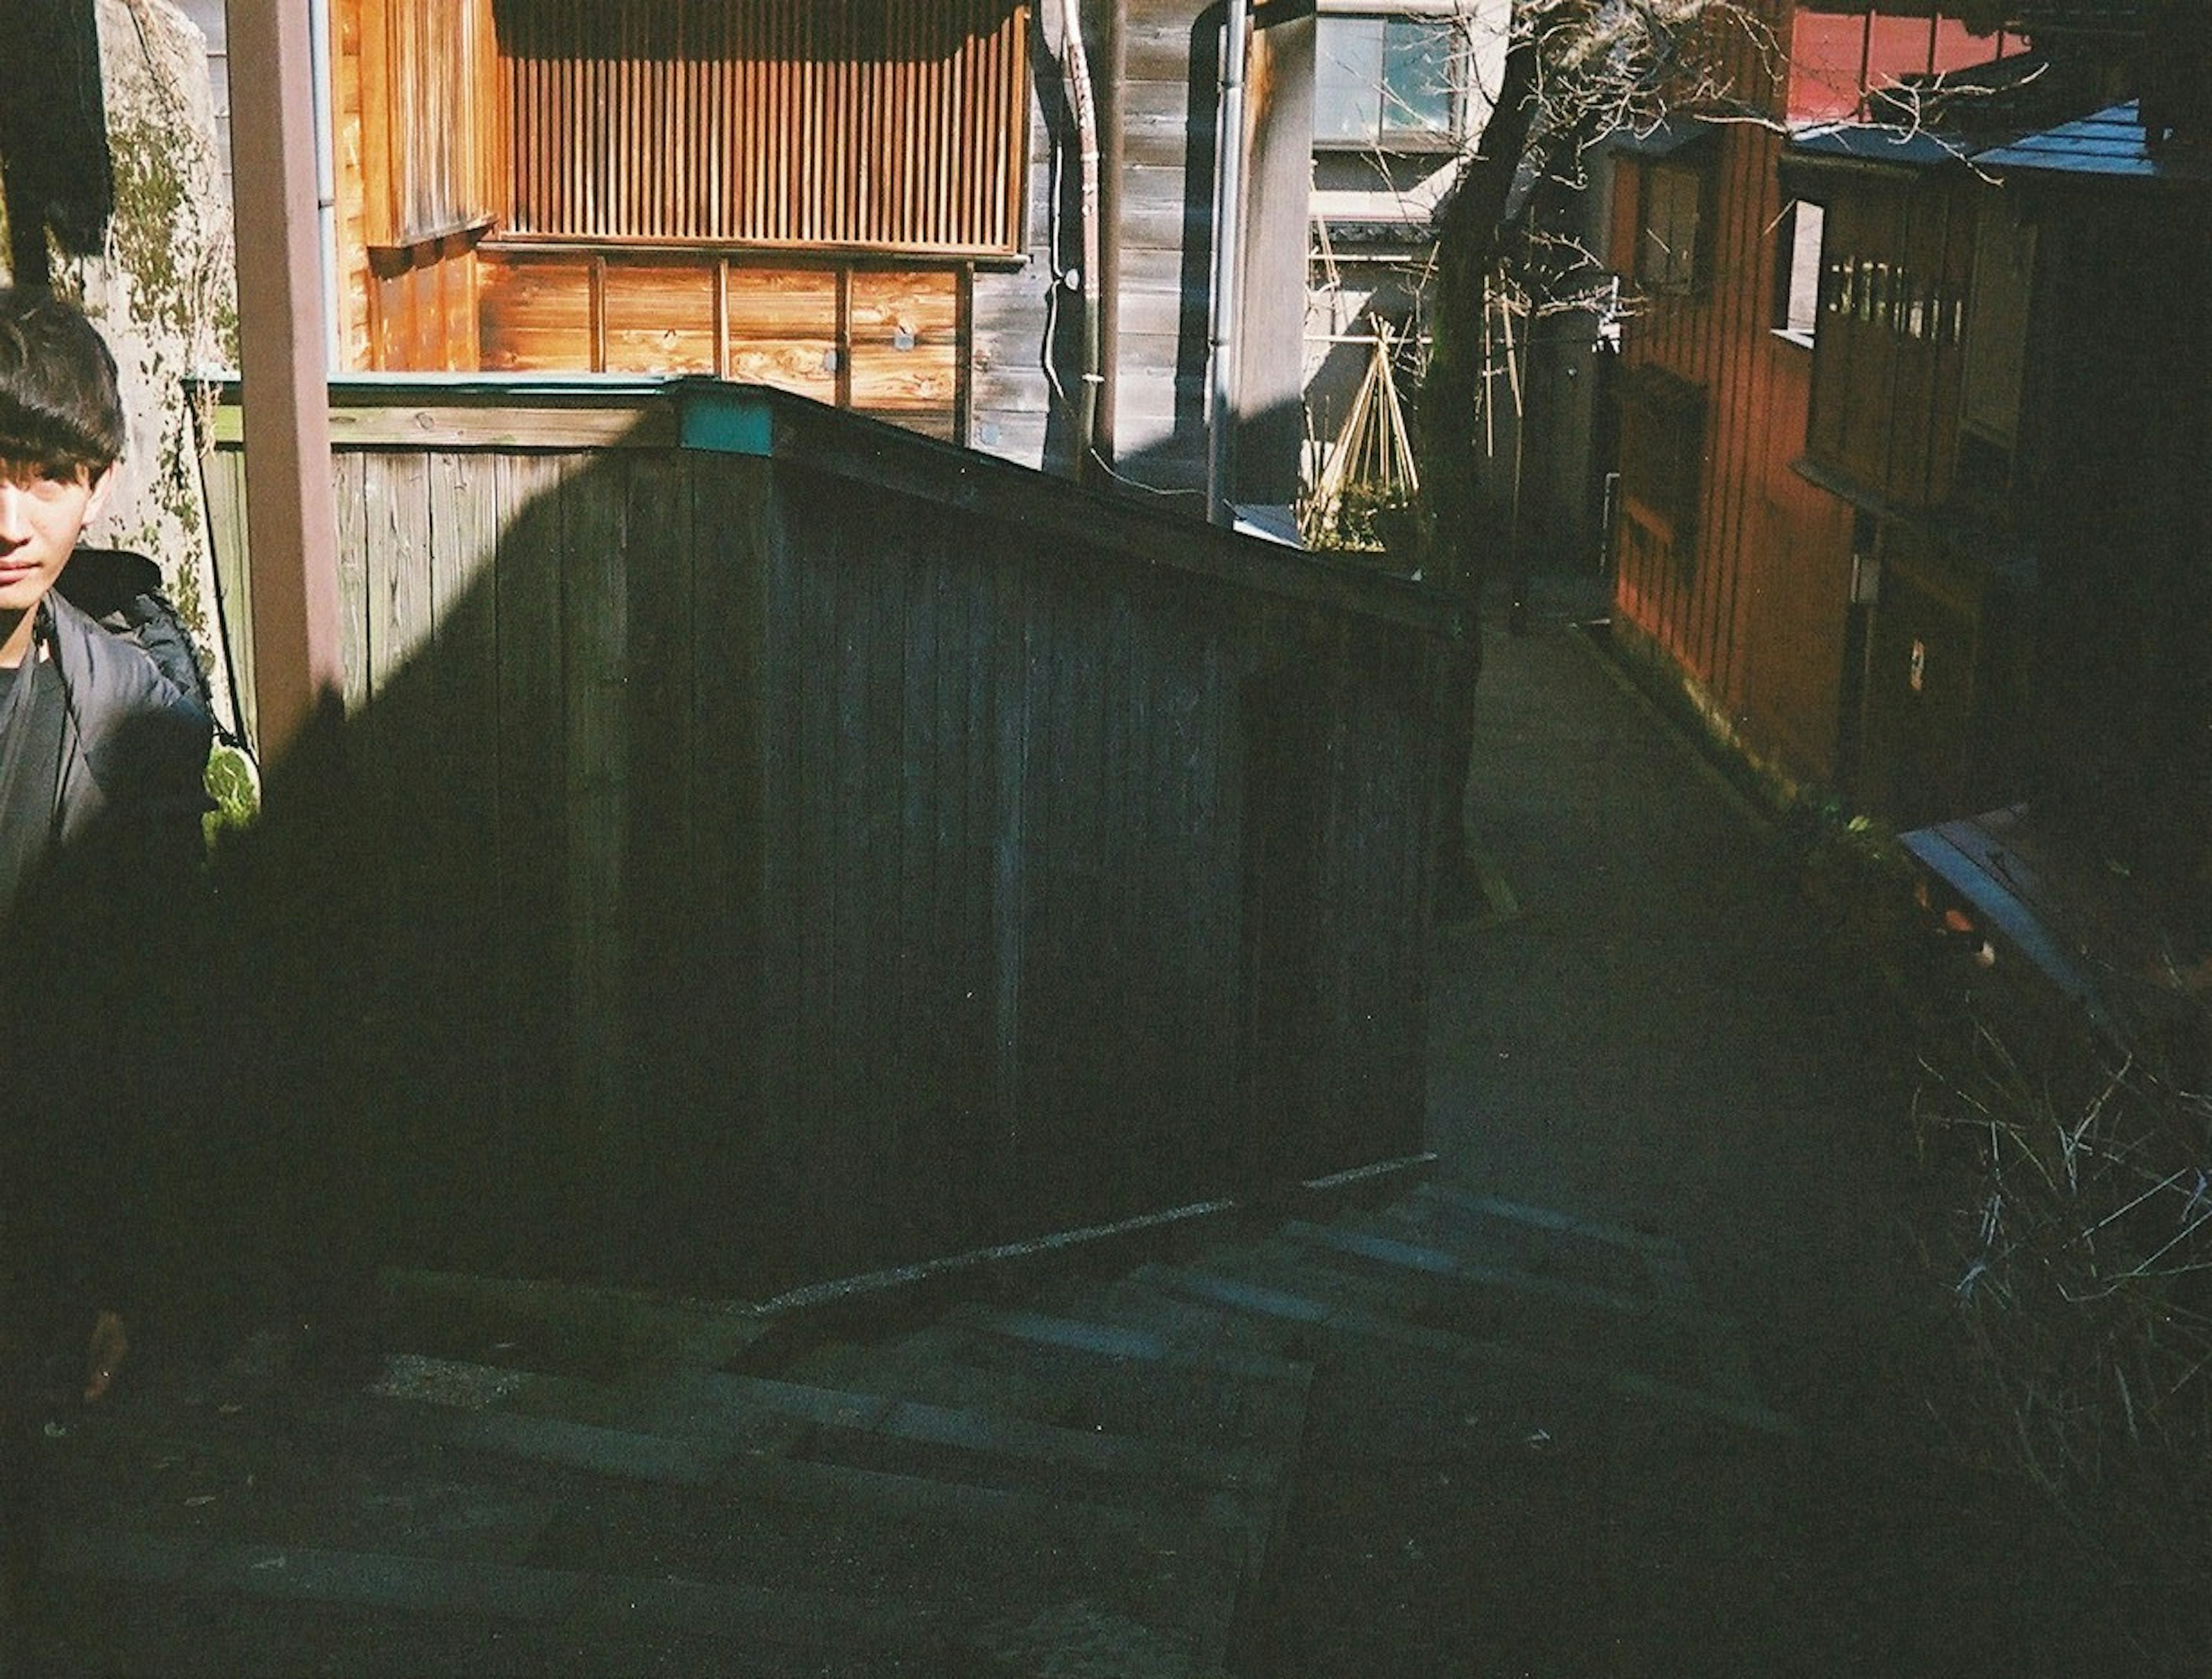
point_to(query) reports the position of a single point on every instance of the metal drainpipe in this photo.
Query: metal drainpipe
(1083, 106)
(326, 180)
(1229, 191)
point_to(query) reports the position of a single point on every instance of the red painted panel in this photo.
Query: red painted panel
(1835, 57)
(1899, 47)
(1827, 53)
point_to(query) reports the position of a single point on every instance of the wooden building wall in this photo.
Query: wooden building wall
(417, 137)
(1898, 262)
(1156, 66)
(776, 845)
(1756, 613)
(1015, 411)
(663, 179)
(775, 194)
(2115, 432)
(886, 339)
(1750, 601)
(1160, 214)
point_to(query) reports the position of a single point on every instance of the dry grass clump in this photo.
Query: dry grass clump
(2083, 1282)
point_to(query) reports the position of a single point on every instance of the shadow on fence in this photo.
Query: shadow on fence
(765, 845)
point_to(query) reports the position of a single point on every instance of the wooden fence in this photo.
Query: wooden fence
(773, 843)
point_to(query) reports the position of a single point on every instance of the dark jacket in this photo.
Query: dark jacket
(92, 1087)
(136, 748)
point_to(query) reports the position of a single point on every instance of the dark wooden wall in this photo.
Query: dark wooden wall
(813, 848)
(2115, 433)
(1898, 261)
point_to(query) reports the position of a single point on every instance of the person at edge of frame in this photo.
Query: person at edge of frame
(102, 761)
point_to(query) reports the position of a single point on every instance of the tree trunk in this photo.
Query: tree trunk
(1467, 247)
(1445, 443)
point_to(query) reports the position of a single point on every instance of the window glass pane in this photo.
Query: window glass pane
(1348, 78)
(1416, 80)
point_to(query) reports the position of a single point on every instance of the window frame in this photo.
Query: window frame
(1692, 170)
(1382, 137)
(1796, 261)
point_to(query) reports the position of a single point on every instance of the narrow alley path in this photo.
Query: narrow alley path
(1651, 1040)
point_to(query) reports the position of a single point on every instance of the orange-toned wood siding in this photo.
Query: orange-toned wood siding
(417, 136)
(901, 125)
(1755, 612)
(884, 341)
(427, 64)
(1757, 616)
(347, 132)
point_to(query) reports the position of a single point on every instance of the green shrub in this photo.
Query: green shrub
(232, 784)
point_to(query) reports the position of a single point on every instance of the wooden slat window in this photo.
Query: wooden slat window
(423, 70)
(882, 124)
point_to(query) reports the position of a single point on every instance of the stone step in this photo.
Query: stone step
(1331, 1309)
(1661, 1349)
(1542, 1307)
(1117, 1384)
(352, 1514)
(1107, 1337)
(1543, 1240)
(1597, 1272)
(1061, 1380)
(137, 1603)
(1189, 1328)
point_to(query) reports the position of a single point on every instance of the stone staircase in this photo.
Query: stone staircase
(1080, 1473)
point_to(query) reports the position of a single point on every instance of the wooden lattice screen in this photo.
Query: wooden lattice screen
(884, 124)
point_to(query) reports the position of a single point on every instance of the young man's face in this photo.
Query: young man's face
(43, 510)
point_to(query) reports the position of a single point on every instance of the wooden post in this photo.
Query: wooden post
(291, 515)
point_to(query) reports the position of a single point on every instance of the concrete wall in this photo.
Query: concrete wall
(163, 293)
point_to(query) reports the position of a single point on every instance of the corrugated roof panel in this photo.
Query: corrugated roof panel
(2107, 145)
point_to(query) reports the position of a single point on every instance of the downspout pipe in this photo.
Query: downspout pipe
(1083, 105)
(327, 179)
(1228, 266)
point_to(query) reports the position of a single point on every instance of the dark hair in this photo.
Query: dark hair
(59, 406)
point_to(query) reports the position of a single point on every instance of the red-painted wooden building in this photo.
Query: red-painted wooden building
(1739, 576)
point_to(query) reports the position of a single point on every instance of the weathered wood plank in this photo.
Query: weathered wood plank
(595, 634)
(533, 839)
(459, 763)
(537, 315)
(744, 913)
(660, 317)
(805, 1135)
(661, 980)
(225, 473)
(401, 610)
